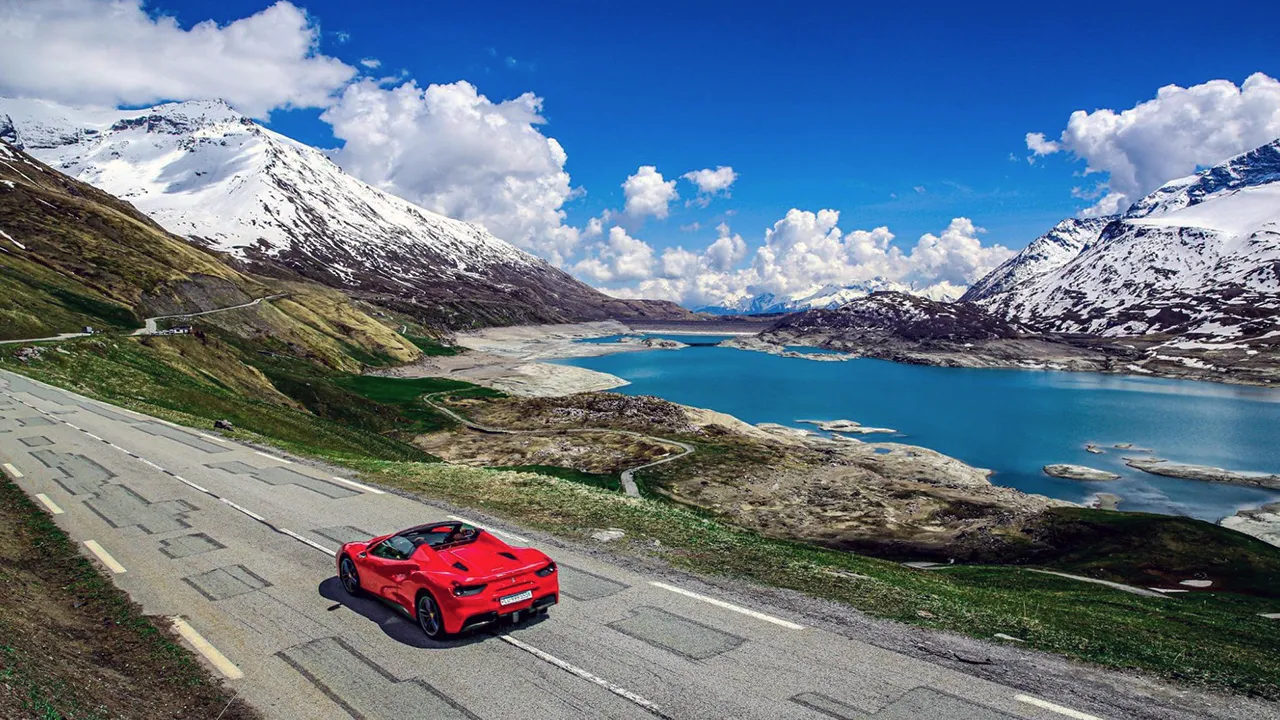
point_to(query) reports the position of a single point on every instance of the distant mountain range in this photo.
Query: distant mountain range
(826, 297)
(1199, 258)
(279, 207)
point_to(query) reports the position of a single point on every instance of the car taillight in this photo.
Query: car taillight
(467, 590)
(550, 568)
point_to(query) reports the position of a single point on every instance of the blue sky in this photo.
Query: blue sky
(815, 105)
(907, 116)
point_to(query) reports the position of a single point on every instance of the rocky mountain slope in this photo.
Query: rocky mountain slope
(207, 173)
(1041, 256)
(1198, 259)
(72, 255)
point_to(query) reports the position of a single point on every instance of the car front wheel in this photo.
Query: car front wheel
(350, 578)
(429, 618)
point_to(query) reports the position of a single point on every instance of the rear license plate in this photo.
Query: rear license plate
(518, 597)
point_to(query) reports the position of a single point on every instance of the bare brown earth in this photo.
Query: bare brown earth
(886, 498)
(72, 645)
(602, 452)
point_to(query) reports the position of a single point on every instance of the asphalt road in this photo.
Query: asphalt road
(238, 545)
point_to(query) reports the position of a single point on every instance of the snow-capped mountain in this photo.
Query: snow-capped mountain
(1041, 256)
(208, 173)
(827, 297)
(1198, 258)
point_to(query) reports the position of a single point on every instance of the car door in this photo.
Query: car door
(389, 566)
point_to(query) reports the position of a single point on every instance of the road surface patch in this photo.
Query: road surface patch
(579, 672)
(112, 564)
(36, 421)
(225, 582)
(343, 534)
(585, 586)
(1053, 707)
(189, 545)
(277, 476)
(828, 706)
(108, 414)
(77, 474)
(35, 441)
(50, 504)
(180, 436)
(121, 507)
(676, 634)
(729, 606)
(205, 648)
(363, 688)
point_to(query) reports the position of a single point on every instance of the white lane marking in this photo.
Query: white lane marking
(245, 510)
(358, 486)
(1055, 708)
(53, 506)
(104, 556)
(495, 531)
(73, 427)
(188, 483)
(272, 457)
(308, 541)
(211, 653)
(616, 690)
(729, 606)
(14, 472)
(95, 437)
(211, 437)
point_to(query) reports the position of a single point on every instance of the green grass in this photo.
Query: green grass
(606, 481)
(433, 347)
(405, 394)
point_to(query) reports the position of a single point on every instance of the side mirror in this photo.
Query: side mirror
(362, 555)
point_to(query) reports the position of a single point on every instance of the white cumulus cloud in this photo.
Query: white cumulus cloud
(800, 253)
(453, 151)
(711, 183)
(648, 193)
(620, 258)
(1171, 136)
(95, 52)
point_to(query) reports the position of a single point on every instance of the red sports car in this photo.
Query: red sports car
(450, 576)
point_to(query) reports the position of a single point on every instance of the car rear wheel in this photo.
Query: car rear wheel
(429, 617)
(350, 578)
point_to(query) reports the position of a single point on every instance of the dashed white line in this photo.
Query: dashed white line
(358, 486)
(73, 427)
(244, 510)
(14, 472)
(573, 669)
(53, 506)
(495, 531)
(190, 484)
(211, 437)
(112, 564)
(205, 648)
(272, 457)
(95, 437)
(308, 541)
(1052, 707)
(729, 606)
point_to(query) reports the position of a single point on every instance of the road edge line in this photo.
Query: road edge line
(49, 503)
(112, 564)
(728, 606)
(205, 648)
(1053, 707)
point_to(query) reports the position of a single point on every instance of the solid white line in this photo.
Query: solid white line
(211, 653)
(104, 556)
(620, 692)
(210, 437)
(495, 531)
(272, 457)
(53, 506)
(729, 606)
(358, 486)
(1055, 708)
(309, 541)
(14, 472)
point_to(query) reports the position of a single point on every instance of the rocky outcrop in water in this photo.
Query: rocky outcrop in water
(1079, 472)
(1158, 466)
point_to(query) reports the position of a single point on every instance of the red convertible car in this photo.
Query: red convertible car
(450, 576)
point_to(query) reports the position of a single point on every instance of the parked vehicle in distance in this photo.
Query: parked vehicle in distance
(451, 577)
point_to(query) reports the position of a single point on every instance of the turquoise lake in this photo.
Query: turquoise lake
(1011, 421)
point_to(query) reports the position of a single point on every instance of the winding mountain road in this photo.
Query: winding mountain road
(627, 476)
(238, 546)
(148, 324)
